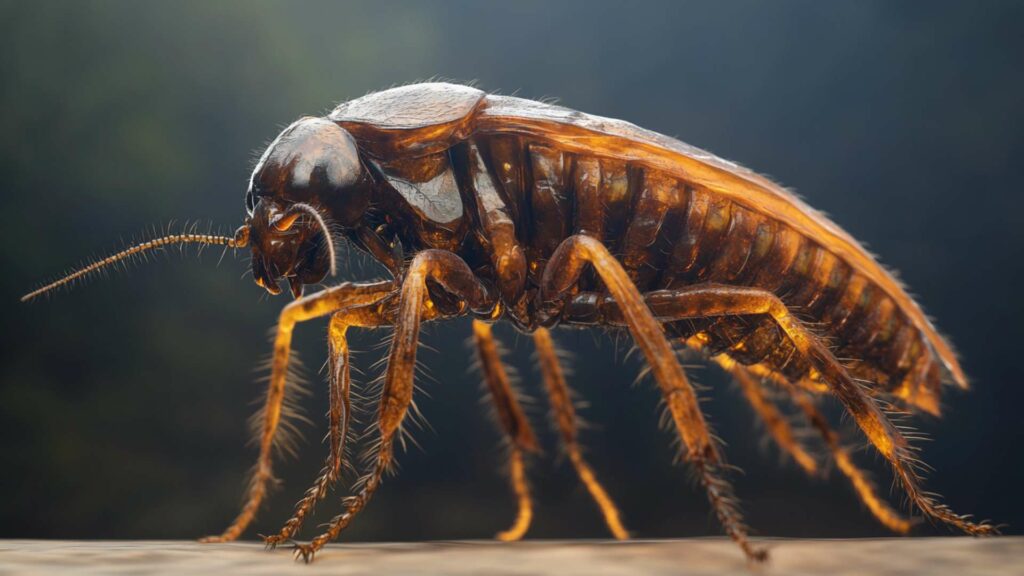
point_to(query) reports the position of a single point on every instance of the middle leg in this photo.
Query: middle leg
(565, 419)
(512, 421)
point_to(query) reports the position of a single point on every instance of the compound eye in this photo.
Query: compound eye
(286, 222)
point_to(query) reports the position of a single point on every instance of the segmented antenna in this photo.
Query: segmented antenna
(239, 241)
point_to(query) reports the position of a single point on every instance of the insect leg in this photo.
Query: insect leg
(861, 483)
(565, 418)
(307, 308)
(513, 423)
(776, 423)
(450, 273)
(711, 301)
(560, 274)
(371, 316)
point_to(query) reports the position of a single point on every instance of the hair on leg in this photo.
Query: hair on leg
(451, 274)
(775, 422)
(717, 300)
(340, 412)
(865, 489)
(564, 416)
(513, 423)
(307, 308)
(562, 272)
(858, 478)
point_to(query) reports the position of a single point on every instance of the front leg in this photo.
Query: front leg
(374, 315)
(451, 274)
(312, 306)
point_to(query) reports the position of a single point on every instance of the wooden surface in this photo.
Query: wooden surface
(904, 556)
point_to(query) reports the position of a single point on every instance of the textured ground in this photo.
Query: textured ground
(933, 556)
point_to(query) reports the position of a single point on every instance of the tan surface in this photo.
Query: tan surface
(932, 556)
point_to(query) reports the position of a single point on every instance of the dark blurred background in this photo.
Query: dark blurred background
(123, 403)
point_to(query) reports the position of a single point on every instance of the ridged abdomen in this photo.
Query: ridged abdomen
(669, 233)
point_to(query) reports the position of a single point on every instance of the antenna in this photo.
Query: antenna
(240, 240)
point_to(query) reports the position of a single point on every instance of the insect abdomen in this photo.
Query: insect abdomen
(721, 241)
(669, 233)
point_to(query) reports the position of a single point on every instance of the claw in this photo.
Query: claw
(304, 551)
(271, 542)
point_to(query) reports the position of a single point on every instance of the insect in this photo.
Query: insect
(502, 208)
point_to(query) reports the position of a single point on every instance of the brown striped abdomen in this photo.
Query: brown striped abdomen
(669, 233)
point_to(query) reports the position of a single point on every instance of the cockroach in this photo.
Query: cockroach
(502, 208)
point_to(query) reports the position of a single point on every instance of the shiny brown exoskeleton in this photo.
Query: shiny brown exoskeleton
(504, 208)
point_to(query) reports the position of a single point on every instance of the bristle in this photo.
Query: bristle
(289, 434)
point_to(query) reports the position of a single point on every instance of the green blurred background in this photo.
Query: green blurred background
(123, 403)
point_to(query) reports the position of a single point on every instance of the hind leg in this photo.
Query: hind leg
(312, 306)
(513, 423)
(561, 274)
(565, 419)
(860, 481)
(712, 301)
(775, 422)
(752, 385)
